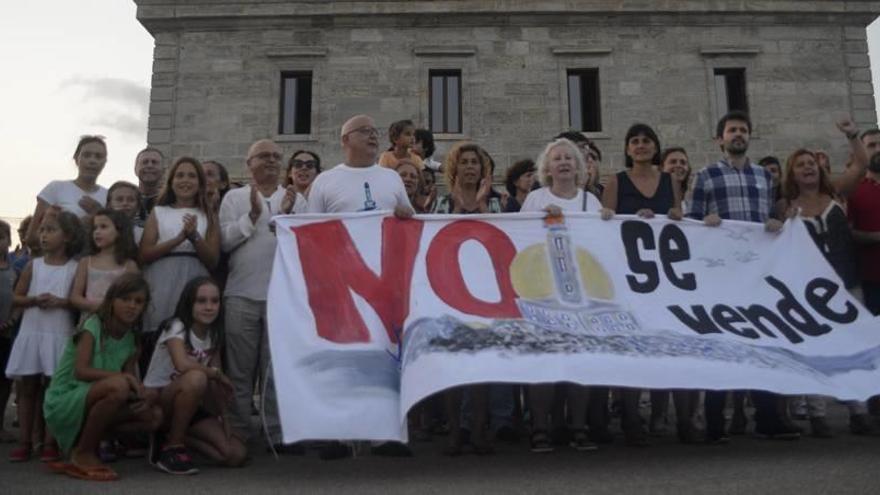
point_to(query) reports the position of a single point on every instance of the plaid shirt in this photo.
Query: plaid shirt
(732, 194)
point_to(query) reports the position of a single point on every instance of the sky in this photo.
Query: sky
(75, 67)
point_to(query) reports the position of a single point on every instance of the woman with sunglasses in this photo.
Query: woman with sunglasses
(302, 169)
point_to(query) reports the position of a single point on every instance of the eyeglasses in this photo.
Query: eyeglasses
(365, 131)
(310, 164)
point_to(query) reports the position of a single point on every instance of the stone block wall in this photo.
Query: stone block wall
(216, 81)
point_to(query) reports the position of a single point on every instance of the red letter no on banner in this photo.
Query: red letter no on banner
(332, 265)
(444, 270)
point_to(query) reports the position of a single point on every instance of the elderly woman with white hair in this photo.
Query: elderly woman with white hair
(562, 172)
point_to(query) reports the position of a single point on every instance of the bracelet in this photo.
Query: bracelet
(852, 135)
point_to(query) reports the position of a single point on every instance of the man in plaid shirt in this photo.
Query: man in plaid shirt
(734, 188)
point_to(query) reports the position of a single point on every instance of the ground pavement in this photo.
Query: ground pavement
(842, 465)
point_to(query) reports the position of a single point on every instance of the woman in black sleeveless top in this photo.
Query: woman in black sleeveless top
(624, 194)
(626, 191)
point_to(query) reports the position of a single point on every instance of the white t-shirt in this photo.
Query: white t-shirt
(541, 198)
(162, 370)
(345, 189)
(66, 195)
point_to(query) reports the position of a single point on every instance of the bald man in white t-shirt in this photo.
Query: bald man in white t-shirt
(359, 184)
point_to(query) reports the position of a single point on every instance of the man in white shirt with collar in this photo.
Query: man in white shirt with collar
(245, 215)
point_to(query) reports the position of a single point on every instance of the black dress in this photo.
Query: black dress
(630, 200)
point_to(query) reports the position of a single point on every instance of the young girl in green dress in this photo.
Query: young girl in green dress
(96, 388)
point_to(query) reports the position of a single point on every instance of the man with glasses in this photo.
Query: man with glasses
(245, 234)
(360, 184)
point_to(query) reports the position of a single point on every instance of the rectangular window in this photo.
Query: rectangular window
(296, 103)
(730, 90)
(584, 112)
(445, 101)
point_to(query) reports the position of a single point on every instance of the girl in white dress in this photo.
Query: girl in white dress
(181, 240)
(47, 323)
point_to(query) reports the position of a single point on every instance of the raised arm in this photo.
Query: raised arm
(846, 183)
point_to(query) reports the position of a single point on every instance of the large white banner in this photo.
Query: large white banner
(369, 314)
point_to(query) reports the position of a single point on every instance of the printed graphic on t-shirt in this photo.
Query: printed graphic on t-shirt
(369, 204)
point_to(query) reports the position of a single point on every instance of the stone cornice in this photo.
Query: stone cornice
(172, 15)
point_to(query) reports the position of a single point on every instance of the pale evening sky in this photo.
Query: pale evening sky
(83, 67)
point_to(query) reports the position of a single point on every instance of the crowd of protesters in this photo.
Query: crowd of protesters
(133, 319)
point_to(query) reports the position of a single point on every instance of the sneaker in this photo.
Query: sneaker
(22, 453)
(820, 428)
(391, 449)
(540, 442)
(176, 460)
(332, 451)
(580, 441)
(859, 424)
(50, 454)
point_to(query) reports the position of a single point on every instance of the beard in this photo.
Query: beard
(874, 164)
(737, 147)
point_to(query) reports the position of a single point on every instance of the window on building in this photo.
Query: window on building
(584, 112)
(445, 101)
(296, 103)
(730, 90)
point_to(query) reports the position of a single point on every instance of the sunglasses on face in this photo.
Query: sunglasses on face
(310, 164)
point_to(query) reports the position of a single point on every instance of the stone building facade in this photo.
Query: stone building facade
(220, 66)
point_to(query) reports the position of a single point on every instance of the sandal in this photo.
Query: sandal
(540, 442)
(91, 473)
(580, 441)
